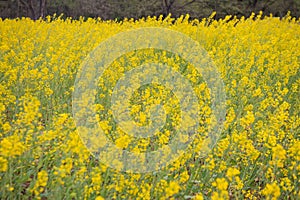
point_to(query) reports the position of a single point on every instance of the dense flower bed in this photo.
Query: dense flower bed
(257, 155)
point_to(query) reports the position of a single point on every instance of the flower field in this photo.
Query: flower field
(256, 156)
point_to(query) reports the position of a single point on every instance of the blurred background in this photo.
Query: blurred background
(119, 9)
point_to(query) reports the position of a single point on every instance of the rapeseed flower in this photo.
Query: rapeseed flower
(43, 153)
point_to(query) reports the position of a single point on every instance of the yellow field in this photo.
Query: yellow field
(257, 155)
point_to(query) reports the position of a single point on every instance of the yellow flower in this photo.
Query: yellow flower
(260, 71)
(219, 195)
(271, 191)
(40, 184)
(220, 184)
(231, 172)
(172, 188)
(3, 164)
(42, 178)
(198, 197)
(278, 155)
(11, 146)
(123, 141)
(248, 119)
(184, 177)
(6, 127)
(257, 92)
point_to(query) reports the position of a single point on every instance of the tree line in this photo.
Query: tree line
(120, 9)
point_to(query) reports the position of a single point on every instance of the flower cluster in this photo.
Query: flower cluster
(257, 156)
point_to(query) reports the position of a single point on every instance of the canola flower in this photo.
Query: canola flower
(256, 157)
